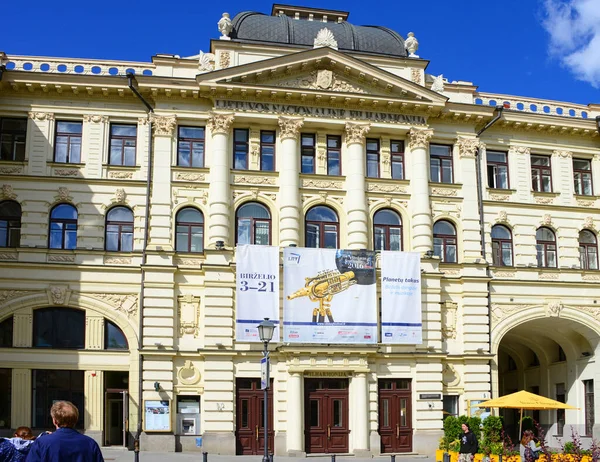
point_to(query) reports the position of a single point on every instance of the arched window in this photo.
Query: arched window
(444, 241)
(189, 223)
(588, 250)
(546, 248)
(119, 230)
(63, 227)
(387, 230)
(59, 328)
(322, 228)
(6, 333)
(114, 338)
(501, 246)
(253, 224)
(10, 224)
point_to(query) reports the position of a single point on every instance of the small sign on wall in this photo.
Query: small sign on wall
(157, 415)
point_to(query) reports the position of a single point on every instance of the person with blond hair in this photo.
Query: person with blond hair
(528, 449)
(66, 444)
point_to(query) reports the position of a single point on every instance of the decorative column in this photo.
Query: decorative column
(356, 200)
(467, 150)
(294, 414)
(361, 421)
(418, 145)
(289, 182)
(219, 196)
(93, 395)
(163, 128)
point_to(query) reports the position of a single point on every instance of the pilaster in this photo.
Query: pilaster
(160, 199)
(93, 144)
(39, 144)
(356, 202)
(23, 328)
(467, 150)
(21, 398)
(289, 180)
(562, 174)
(94, 332)
(93, 396)
(219, 195)
(420, 204)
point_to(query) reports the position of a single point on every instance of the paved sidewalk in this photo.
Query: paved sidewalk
(122, 455)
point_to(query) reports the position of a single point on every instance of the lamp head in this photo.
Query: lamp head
(156, 386)
(265, 330)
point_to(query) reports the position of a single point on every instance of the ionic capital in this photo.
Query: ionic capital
(563, 154)
(41, 116)
(289, 127)
(419, 138)
(355, 132)
(220, 123)
(95, 118)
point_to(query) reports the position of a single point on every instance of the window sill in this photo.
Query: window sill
(545, 193)
(500, 190)
(66, 164)
(585, 197)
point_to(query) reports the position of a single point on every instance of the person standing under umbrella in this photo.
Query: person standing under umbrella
(468, 445)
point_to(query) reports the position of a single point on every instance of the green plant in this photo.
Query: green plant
(454, 446)
(527, 424)
(569, 447)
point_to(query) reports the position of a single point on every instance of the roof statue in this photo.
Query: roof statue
(438, 83)
(225, 27)
(325, 38)
(412, 45)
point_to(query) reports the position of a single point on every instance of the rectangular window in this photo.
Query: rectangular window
(588, 386)
(12, 139)
(307, 153)
(582, 177)
(190, 147)
(334, 155)
(267, 151)
(240, 149)
(397, 159)
(50, 385)
(440, 163)
(67, 146)
(122, 145)
(541, 174)
(450, 405)
(372, 158)
(497, 169)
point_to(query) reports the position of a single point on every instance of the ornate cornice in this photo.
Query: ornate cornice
(419, 138)
(219, 123)
(355, 132)
(519, 150)
(467, 147)
(290, 127)
(164, 125)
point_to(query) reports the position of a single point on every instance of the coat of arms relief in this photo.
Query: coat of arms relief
(322, 79)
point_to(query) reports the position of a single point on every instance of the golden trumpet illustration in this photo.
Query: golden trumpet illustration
(322, 288)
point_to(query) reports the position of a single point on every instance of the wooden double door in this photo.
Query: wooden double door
(395, 415)
(326, 415)
(250, 430)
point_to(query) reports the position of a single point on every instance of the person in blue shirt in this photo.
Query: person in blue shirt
(66, 444)
(16, 449)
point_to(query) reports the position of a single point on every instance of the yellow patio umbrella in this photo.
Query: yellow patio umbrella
(525, 400)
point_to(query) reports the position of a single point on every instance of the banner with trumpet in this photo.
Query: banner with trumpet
(330, 296)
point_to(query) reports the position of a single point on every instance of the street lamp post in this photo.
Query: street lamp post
(265, 332)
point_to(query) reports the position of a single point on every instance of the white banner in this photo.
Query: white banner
(257, 290)
(330, 296)
(401, 298)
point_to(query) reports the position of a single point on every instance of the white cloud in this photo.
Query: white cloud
(574, 28)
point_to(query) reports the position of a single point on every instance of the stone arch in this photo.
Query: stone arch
(78, 301)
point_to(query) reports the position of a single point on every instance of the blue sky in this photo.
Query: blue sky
(538, 48)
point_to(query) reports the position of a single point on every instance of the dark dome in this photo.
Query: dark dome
(258, 27)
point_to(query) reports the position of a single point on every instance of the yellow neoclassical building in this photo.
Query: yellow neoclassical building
(126, 187)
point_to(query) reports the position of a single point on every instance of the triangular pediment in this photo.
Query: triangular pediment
(322, 70)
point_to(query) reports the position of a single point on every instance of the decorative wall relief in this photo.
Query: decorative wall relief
(188, 374)
(219, 123)
(58, 295)
(189, 315)
(7, 192)
(450, 376)
(164, 125)
(553, 308)
(126, 304)
(449, 315)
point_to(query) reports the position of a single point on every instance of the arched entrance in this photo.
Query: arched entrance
(549, 351)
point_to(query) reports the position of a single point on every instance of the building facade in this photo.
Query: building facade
(126, 187)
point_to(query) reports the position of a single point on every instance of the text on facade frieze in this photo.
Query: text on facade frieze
(334, 113)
